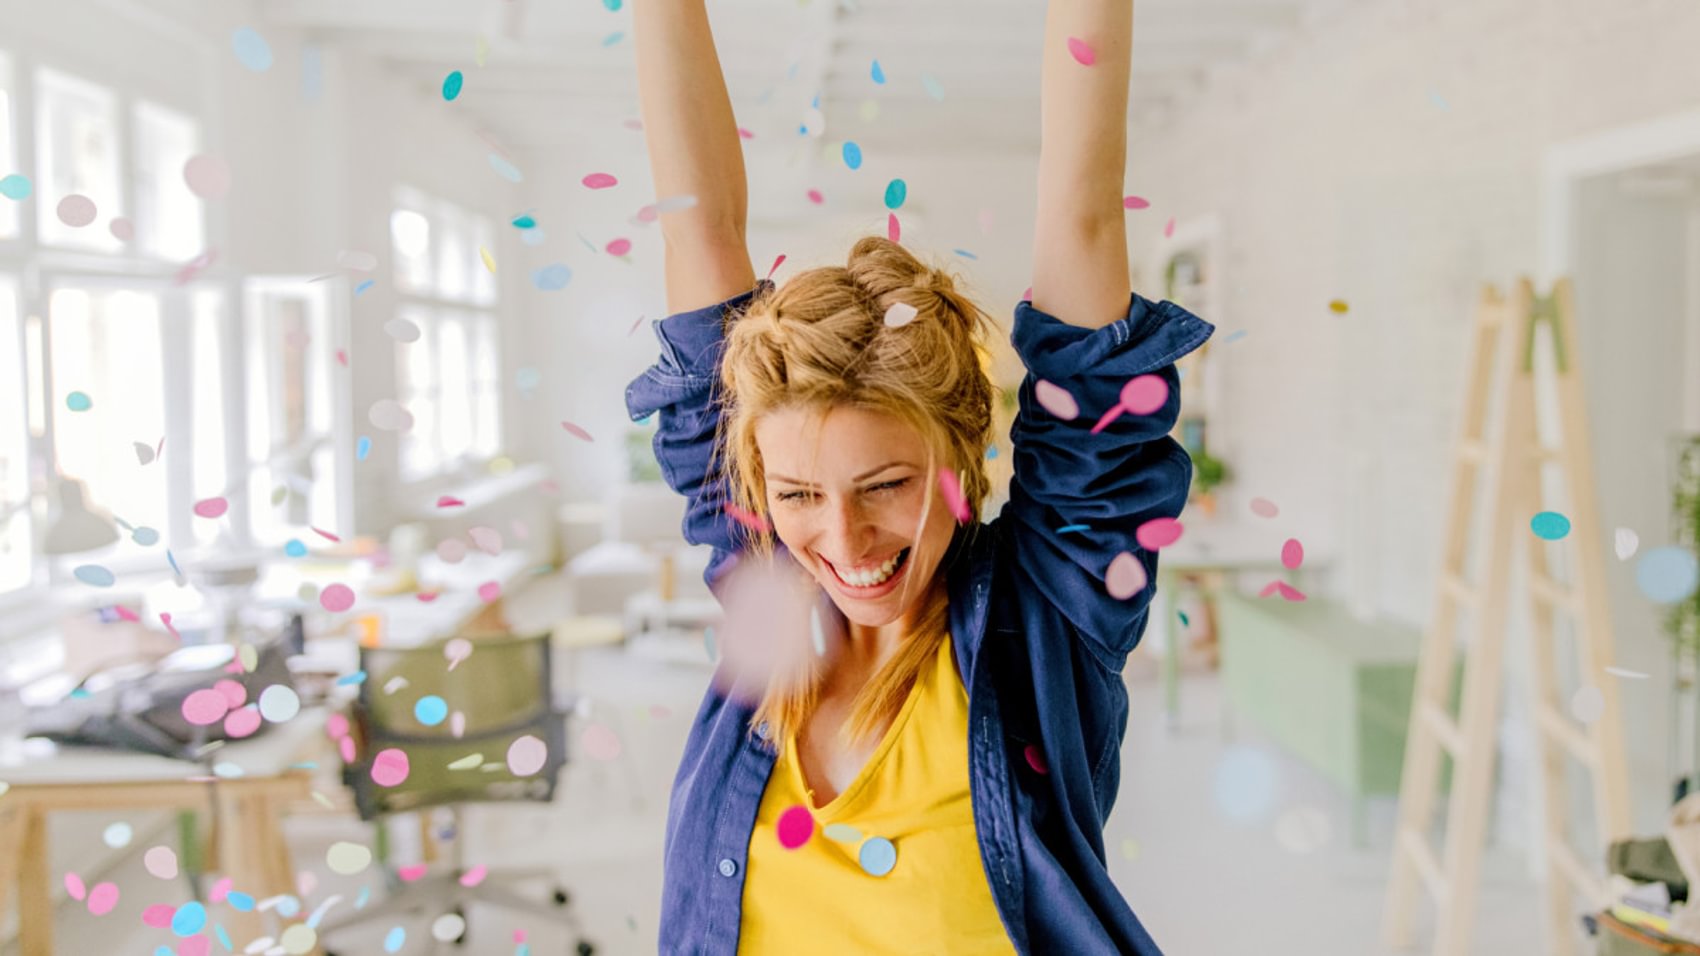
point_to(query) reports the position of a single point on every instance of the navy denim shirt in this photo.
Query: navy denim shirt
(1039, 641)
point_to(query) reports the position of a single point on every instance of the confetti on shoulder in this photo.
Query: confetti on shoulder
(576, 431)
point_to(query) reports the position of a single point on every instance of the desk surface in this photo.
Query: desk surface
(269, 754)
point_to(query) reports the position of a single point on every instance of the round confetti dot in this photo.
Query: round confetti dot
(816, 196)
(1135, 202)
(389, 415)
(1125, 576)
(389, 767)
(1624, 542)
(452, 550)
(552, 277)
(212, 507)
(122, 229)
(242, 722)
(488, 540)
(842, 832)
(1144, 394)
(159, 915)
(74, 886)
(1169, 228)
(896, 192)
(452, 85)
(899, 315)
(207, 176)
(1303, 830)
(300, 939)
(146, 537)
(402, 330)
(448, 927)
(599, 181)
(796, 826)
(1055, 399)
(252, 50)
(295, 548)
(1264, 508)
(161, 862)
(1588, 704)
(189, 919)
(395, 939)
(1292, 554)
(1036, 759)
(1245, 784)
(489, 591)
(205, 707)
(600, 742)
(233, 692)
(526, 756)
(16, 186)
(103, 899)
(877, 856)
(280, 703)
(852, 155)
(1667, 575)
(348, 858)
(94, 575)
(618, 247)
(1081, 51)
(76, 210)
(336, 598)
(1549, 526)
(117, 835)
(79, 402)
(430, 710)
(201, 945)
(1339, 306)
(505, 169)
(1158, 533)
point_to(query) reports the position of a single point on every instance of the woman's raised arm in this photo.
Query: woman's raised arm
(693, 151)
(1080, 270)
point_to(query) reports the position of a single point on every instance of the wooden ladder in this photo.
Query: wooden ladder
(1510, 460)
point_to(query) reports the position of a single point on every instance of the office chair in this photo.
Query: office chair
(502, 690)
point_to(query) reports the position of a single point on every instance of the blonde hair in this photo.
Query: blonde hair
(820, 342)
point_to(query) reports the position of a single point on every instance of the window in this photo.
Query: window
(77, 149)
(450, 377)
(15, 532)
(210, 471)
(292, 460)
(167, 215)
(8, 151)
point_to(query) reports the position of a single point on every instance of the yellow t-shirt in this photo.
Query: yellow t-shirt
(909, 802)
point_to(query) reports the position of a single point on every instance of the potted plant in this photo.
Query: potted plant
(1208, 473)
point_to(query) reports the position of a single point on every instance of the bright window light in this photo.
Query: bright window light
(77, 153)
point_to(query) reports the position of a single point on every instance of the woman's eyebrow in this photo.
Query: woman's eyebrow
(861, 477)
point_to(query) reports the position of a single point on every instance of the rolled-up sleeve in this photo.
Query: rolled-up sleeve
(1111, 482)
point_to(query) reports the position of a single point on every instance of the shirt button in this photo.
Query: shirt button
(727, 867)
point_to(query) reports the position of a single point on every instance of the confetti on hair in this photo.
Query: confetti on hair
(776, 264)
(748, 519)
(952, 488)
(1081, 51)
(900, 314)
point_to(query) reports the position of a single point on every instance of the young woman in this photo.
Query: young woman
(935, 776)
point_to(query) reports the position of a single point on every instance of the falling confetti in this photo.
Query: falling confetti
(1055, 399)
(103, 899)
(488, 259)
(1036, 759)
(552, 277)
(389, 415)
(1169, 228)
(1667, 575)
(78, 402)
(852, 155)
(336, 598)
(489, 591)
(456, 651)
(893, 228)
(117, 835)
(94, 575)
(279, 703)
(600, 742)
(600, 181)
(161, 862)
(122, 228)
(452, 85)
(1135, 202)
(1125, 576)
(76, 210)
(952, 488)
(748, 519)
(526, 756)
(16, 186)
(816, 197)
(207, 176)
(1549, 526)
(505, 169)
(1264, 508)
(896, 193)
(796, 825)
(1338, 306)
(252, 50)
(348, 858)
(389, 767)
(448, 927)
(488, 540)
(877, 73)
(1625, 541)
(1158, 533)
(1292, 554)
(618, 247)
(1081, 51)
(402, 330)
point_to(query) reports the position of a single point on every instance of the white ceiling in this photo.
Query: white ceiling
(554, 70)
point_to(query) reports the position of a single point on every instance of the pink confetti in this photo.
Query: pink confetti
(389, 767)
(205, 707)
(1125, 576)
(1158, 533)
(233, 692)
(600, 742)
(893, 228)
(1036, 759)
(220, 890)
(158, 915)
(195, 946)
(212, 507)
(776, 264)
(125, 614)
(426, 597)
(1055, 399)
(103, 898)
(816, 197)
(413, 873)
(243, 722)
(490, 591)
(207, 176)
(336, 726)
(648, 214)
(748, 519)
(1144, 394)
(447, 501)
(576, 431)
(326, 535)
(1289, 592)
(342, 357)
(745, 134)
(526, 756)
(336, 598)
(345, 748)
(1169, 228)
(74, 886)
(1135, 202)
(488, 540)
(796, 826)
(474, 876)
(618, 247)
(952, 489)
(1292, 554)
(1264, 508)
(1081, 51)
(195, 266)
(165, 618)
(600, 181)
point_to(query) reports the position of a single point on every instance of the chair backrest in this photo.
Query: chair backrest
(496, 695)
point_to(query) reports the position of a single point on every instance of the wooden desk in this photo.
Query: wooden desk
(251, 848)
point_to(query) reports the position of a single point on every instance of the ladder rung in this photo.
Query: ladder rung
(1554, 593)
(1460, 589)
(1423, 859)
(1443, 726)
(1541, 452)
(1471, 449)
(1585, 882)
(1562, 730)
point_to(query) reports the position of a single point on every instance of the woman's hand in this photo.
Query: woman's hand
(693, 151)
(1080, 269)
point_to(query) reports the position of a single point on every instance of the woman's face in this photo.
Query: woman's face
(845, 492)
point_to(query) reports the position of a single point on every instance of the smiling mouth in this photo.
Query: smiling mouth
(867, 581)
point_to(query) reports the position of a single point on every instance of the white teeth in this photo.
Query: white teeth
(865, 579)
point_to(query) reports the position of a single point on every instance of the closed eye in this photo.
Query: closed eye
(883, 487)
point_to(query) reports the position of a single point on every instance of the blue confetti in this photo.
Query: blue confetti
(877, 856)
(362, 287)
(172, 559)
(251, 49)
(223, 938)
(189, 919)
(877, 73)
(94, 575)
(365, 894)
(1549, 526)
(362, 448)
(146, 537)
(613, 39)
(81, 693)
(305, 765)
(896, 192)
(16, 186)
(1234, 336)
(164, 951)
(935, 89)
(992, 451)
(240, 902)
(452, 84)
(524, 222)
(852, 155)
(358, 677)
(505, 169)
(78, 402)
(552, 278)
(294, 548)
(431, 710)
(612, 5)
(288, 907)
(1667, 575)
(1185, 621)
(1073, 527)
(964, 253)
(395, 939)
